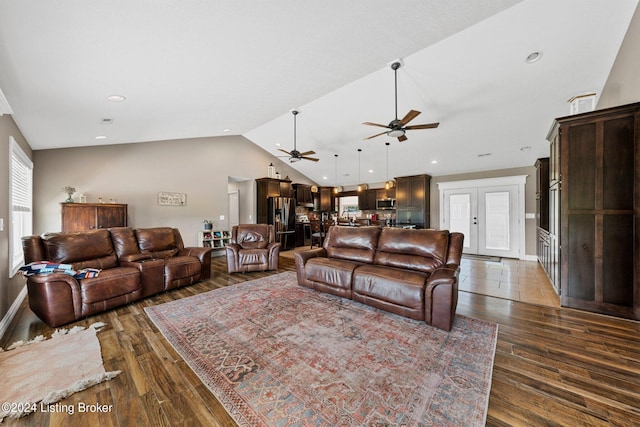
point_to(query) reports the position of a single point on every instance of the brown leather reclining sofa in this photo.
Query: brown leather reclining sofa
(413, 273)
(134, 263)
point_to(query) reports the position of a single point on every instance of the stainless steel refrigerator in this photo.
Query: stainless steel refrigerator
(282, 215)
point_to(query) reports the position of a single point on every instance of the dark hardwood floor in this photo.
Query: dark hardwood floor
(553, 366)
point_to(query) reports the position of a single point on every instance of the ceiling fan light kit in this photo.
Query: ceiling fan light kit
(397, 128)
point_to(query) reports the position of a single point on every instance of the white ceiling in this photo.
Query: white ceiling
(194, 68)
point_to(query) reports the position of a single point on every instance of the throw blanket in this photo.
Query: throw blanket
(47, 267)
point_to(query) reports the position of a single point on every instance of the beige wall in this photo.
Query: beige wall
(9, 287)
(135, 173)
(623, 84)
(530, 198)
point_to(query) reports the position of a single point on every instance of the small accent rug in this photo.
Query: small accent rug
(41, 372)
(277, 354)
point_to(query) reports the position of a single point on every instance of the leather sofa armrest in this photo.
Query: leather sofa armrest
(55, 298)
(441, 298)
(204, 255)
(301, 259)
(274, 253)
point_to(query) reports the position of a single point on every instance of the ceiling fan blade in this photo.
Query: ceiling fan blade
(376, 124)
(284, 151)
(410, 116)
(378, 134)
(402, 138)
(309, 158)
(425, 126)
(306, 153)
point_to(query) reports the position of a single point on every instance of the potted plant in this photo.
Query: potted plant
(208, 224)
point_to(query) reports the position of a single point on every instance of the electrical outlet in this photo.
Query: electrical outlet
(1, 224)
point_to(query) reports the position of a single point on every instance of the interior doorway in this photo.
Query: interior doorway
(489, 212)
(234, 208)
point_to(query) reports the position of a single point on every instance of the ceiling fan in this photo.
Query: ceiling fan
(397, 128)
(295, 155)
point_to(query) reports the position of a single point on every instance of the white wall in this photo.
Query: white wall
(135, 173)
(9, 287)
(623, 85)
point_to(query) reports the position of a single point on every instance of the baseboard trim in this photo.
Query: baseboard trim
(13, 310)
(530, 258)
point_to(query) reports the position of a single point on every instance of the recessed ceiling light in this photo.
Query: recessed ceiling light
(533, 57)
(324, 177)
(100, 137)
(433, 162)
(116, 98)
(370, 170)
(226, 130)
(277, 144)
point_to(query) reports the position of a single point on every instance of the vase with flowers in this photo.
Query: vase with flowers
(70, 191)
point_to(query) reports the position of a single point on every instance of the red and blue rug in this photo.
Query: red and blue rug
(277, 354)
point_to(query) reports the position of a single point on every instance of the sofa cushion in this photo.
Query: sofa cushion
(161, 242)
(420, 250)
(333, 273)
(109, 284)
(252, 236)
(124, 241)
(253, 256)
(83, 249)
(352, 243)
(391, 287)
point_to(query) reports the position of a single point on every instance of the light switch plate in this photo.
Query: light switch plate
(221, 217)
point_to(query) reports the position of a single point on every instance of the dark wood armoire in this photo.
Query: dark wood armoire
(599, 159)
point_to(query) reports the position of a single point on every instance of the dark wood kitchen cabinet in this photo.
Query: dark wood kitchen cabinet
(303, 195)
(413, 200)
(599, 160)
(89, 216)
(324, 200)
(269, 187)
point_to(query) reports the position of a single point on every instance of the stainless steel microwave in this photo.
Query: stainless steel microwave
(383, 204)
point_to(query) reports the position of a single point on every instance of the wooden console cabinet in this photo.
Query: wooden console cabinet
(89, 216)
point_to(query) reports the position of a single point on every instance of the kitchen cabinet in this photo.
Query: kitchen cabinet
(89, 216)
(324, 200)
(598, 157)
(302, 193)
(413, 200)
(542, 193)
(269, 187)
(367, 200)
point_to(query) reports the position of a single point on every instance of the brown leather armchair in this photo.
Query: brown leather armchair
(252, 248)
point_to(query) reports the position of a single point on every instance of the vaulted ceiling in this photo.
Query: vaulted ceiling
(198, 68)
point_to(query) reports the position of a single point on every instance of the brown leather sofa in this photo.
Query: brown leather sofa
(252, 248)
(413, 273)
(134, 264)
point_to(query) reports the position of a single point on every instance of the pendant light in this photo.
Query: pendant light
(389, 184)
(336, 189)
(361, 187)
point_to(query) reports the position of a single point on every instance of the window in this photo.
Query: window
(20, 200)
(348, 205)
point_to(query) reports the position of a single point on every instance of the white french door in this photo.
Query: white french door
(490, 217)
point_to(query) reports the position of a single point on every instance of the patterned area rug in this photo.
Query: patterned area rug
(275, 354)
(41, 372)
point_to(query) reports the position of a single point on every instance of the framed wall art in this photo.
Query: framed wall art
(172, 199)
